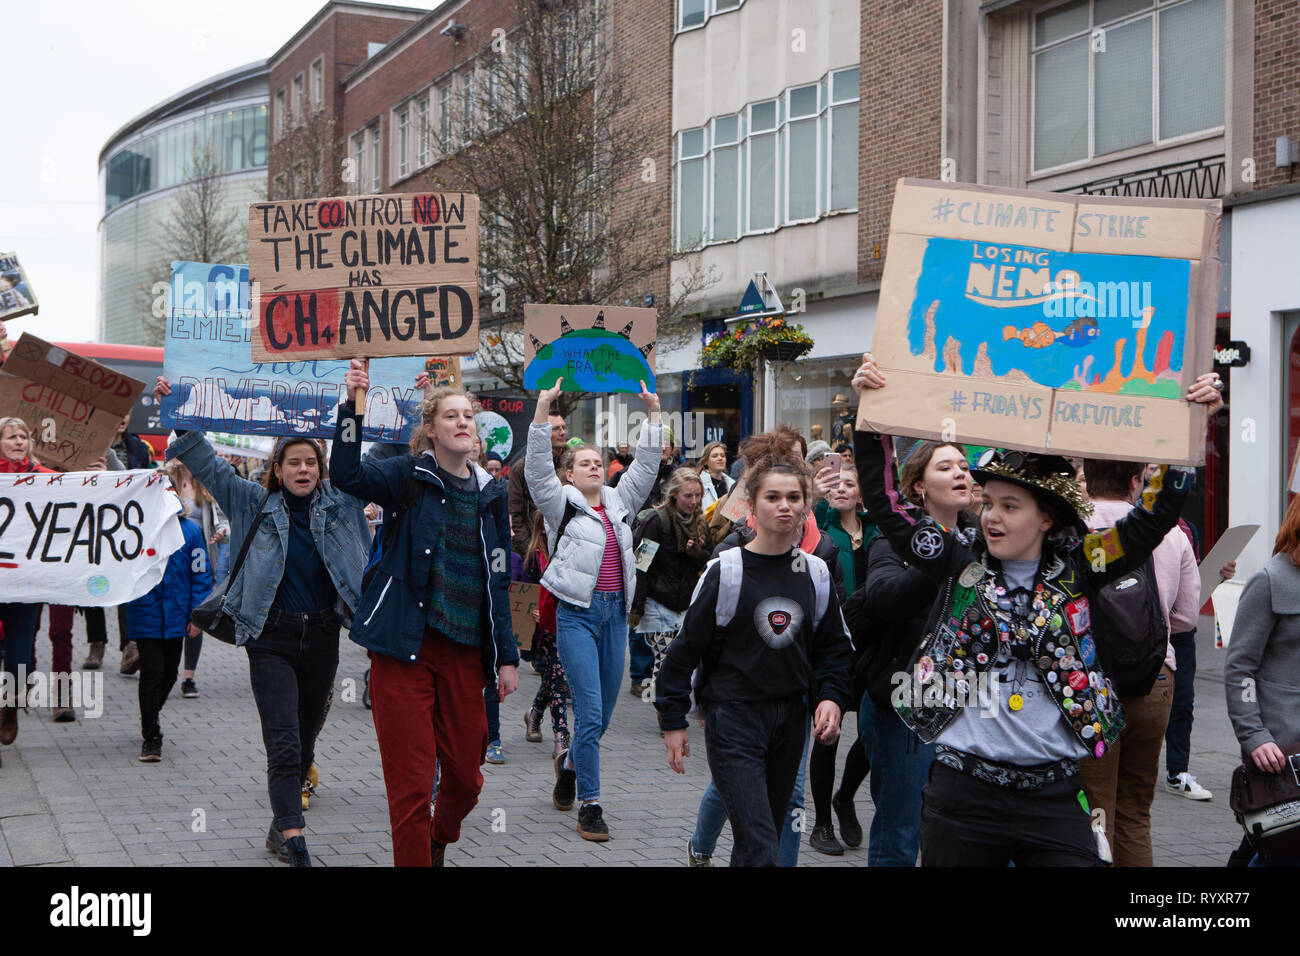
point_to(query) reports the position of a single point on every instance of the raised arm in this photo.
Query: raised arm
(1112, 552)
(544, 486)
(635, 482)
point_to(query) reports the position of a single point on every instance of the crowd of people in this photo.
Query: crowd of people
(956, 606)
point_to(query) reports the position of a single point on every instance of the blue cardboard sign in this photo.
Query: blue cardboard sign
(216, 386)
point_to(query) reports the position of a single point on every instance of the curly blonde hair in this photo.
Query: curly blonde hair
(420, 440)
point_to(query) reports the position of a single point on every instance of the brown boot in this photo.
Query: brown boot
(95, 659)
(8, 724)
(61, 699)
(130, 659)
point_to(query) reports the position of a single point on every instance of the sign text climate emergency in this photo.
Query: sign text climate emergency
(365, 275)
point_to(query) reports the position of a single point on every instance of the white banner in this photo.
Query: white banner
(85, 538)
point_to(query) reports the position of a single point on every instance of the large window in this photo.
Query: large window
(161, 159)
(281, 111)
(694, 13)
(297, 101)
(318, 84)
(1113, 74)
(403, 145)
(777, 162)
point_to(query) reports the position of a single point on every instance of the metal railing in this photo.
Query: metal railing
(1192, 179)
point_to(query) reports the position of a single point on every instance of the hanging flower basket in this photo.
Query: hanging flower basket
(742, 347)
(784, 351)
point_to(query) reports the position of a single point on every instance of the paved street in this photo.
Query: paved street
(76, 794)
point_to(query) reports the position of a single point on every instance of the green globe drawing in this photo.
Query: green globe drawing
(496, 433)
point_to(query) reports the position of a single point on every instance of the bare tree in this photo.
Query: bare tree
(545, 130)
(201, 226)
(308, 153)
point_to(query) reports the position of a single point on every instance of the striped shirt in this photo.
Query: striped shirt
(610, 577)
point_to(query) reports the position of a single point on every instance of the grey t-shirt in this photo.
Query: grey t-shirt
(1038, 732)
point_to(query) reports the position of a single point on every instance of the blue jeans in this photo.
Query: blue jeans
(900, 765)
(712, 815)
(591, 642)
(641, 659)
(1178, 735)
(19, 622)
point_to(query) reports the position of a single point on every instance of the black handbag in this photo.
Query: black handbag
(211, 615)
(1267, 805)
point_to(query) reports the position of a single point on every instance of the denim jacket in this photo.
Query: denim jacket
(338, 527)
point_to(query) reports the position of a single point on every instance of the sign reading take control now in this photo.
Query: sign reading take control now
(364, 276)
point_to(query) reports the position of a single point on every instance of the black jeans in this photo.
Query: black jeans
(970, 822)
(754, 753)
(291, 667)
(159, 659)
(96, 626)
(1178, 734)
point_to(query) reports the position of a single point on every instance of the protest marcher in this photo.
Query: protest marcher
(18, 621)
(159, 623)
(1122, 782)
(887, 621)
(299, 584)
(842, 517)
(435, 616)
(592, 574)
(765, 636)
(546, 658)
(667, 465)
(521, 502)
(672, 545)
(60, 631)
(493, 464)
(713, 473)
(1006, 788)
(785, 445)
(216, 530)
(1260, 674)
(621, 458)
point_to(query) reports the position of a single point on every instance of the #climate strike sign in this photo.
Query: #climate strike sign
(1046, 321)
(364, 276)
(217, 387)
(93, 539)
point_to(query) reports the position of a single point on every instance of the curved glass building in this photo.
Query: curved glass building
(144, 164)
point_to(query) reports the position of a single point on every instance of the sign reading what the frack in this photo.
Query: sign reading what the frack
(364, 276)
(594, 348)
(71, 404)
(217, 387)
(1046, 321)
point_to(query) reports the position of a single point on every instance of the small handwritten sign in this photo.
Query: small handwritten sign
(524, 598)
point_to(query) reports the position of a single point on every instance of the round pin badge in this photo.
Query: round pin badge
(1099, 750)
(1016, 702)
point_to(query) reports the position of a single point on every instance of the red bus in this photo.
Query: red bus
(143, 362)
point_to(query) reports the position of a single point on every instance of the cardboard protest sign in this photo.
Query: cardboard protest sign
(93, 539)
(443, 370)
(503, 422)
(1046, 321)
(16, 296)
(215, 386)
(364, 276)
(595, 348)
(72, 404)
(523, 599)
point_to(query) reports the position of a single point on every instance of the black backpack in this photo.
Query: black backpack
(1131, 626)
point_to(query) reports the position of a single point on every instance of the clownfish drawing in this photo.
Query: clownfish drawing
(1040, 335)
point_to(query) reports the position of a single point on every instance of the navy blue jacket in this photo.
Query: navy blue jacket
(165, 611)
(393, 610)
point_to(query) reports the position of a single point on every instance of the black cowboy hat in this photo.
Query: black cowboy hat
(1049, 478)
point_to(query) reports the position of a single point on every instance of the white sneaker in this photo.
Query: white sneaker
(1185, 784)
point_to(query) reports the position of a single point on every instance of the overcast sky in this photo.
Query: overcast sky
(76, 72)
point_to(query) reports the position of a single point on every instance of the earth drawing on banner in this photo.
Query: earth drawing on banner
(592, 360)
(496, 433)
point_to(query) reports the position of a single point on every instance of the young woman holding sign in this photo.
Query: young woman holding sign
(435, 615)
(1012, 689)
(299, 584)
(19, 620)
(593, 577)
